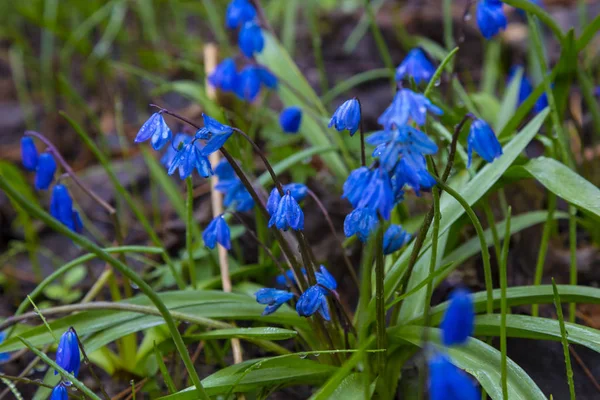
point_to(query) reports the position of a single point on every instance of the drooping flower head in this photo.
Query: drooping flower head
(325, 279)
(412, 171)
(29, 153)
(155, 129)
(400, 141)
(288, 214)
(215, 134)
(447, 382)
(525, 90)
(180, 139)
(217, 231)
(360, 222)
(236, 194)
(490, 17)
(188, 158)
(251, 39)
(347, 117)
(224, 76)
(394, 238)
(45, 171)
(250, 80)
(61, 208)
(313, 300)
(458, 322)
(415, 65)
(407, 105)
(378, 194)
(239, 12)
(483, 140)
(297, 190)
(59, 392)
(273, 298)
(290, 119)
(67, 354)
(356, 184)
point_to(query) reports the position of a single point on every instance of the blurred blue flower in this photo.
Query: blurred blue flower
(239, 12)
(179, 139)
(356, 184)
(541, 103)
(406, 105)
(490, 17)
(324, 278)
(394, 238)
(447, 382)
(360, 222)
(525, 90)
(313, 300)
(378, 194)
(59, 392)
(297, 190)
(288, 214)
(347, 117)
(273, 298)
(236, 195)
(391, 144)
(217, 231)
(190, 156)
(3, 356)
(155, 129)
(251, 39)
(285, 280)
(215, 134)
(416, 65)
(483, 140)
(458, 322)
(412, 171)
(29, 153)
(45, 171)
(290, 119)
(224, 76)
(67, 354)
(250, 79)
(61, 208)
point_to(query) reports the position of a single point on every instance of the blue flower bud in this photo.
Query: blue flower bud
(250, 39)
(457, 324)
(394, 238)
(61, 208)
(290, 119)
(29, 153)
(311, 301)
(155, 129)
(45, 171)
(59, 392)
(273, 298)
(407, 105)
(347, 117)
(67, 354)
(239, 12)
(288, 214)
(490, 17)
(356, 184)
(447, 382)
(483, 140)
(324, 278)
(217, 232)
(360, 222)
(224, 76)
(416, 65)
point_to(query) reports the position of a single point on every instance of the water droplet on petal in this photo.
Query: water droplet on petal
(467, 17)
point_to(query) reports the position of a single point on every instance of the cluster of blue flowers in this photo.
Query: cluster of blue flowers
(67, 357)
(44, 165)
(446, 381)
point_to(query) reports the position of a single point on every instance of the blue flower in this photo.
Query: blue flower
(416, 65)
(541, 103)
(412, 171)
(378, 194)
(266, 77)
(290, 119)
(188, 158)
(179, 139)
(324, 278)
(61, 208)
(457, 324)
(3, 356)
(360, 222)
(394, 238)
(239, 12)
(215, 134)
(346, 117)
(29, 153)
(236, 195)
(155, 129)
(217, 232)
(490, 17)
(407, 104)
(45, 171)
(391, 144)
(483, 140)
(251, 39)
(224, 76)
(288, 214)
(297, 190)
(525, 90)
(447, 382)
(250, 80)
(67, 354)
(311, 301)
(356, 184)
(273, 298)
(59, 392)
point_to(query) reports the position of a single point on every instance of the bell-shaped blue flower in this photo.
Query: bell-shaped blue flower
(239, 12)
(224, 76)
(217, 232)
(215, 134)
(412, 171)
(155, 129)
(29, 153)
(378, 194)
(251, 39)
(67, 354)
(458, 322)
(447, 382)
(483, 140)
(297, 190)
(490, 17)
(407, 105)
(360, 222)
(347, 117)
(394, 238)
(248, 84)
(273, 298)
(324, 278)
(313, 300)
(288, 214)
(61, 208)
(189, 157)
(236, 195)
(391, 144)
(416, 65)
(290, 119)
(59, 392)
(356, 184)
(180, 139)
(45, 171)
(266, 77)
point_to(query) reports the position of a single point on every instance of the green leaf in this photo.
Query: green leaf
(266, 333)
(509, 102)
(74, 276)
(562, 181)
(194, 91)
(478, 359)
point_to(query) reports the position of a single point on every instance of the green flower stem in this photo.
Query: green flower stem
(564, 340)
(380, 42)
(543, 248)
(88, 245)
(380, 299)
(489, 215)
(504, 305)
(573, 257)
(485, 255)
(533, 9)
(188, 231)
